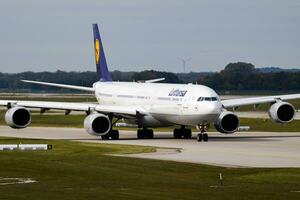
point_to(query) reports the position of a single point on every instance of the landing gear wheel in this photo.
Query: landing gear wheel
(105, 137)
(202, 136)
(177, 134)
(145, 133)
(199, 137)
(205, 137)
(114, 134)
(150, 134)
(140, 134)
(187, 134)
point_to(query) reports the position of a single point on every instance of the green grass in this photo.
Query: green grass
(269, 125)
(75, 170)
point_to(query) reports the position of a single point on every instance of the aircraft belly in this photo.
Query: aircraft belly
(185, 119)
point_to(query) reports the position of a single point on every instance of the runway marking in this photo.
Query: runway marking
(13, 181)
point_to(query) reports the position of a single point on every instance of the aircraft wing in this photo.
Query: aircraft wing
(67, 106)
(89, 89)
(229, 103)
(119, 110)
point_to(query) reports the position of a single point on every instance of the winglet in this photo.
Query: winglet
(101, 65)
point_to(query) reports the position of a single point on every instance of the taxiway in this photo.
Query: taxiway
(243, 149)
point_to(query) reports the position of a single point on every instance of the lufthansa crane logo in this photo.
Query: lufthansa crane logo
(97, 50)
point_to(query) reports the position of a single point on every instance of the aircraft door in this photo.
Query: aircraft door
(186, 104)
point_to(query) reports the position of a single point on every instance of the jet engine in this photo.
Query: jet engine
(227, 122)
(282, 112)
(18, 117)
(97, 124)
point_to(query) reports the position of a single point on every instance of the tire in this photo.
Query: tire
(187, 134)
(150, 134)
(176, 134)
(205, 137)
(115, 135)
(105, 137)
(140, 134)
(199, 137)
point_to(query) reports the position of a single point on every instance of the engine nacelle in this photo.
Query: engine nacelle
(227, 122)
(18, 117)
(282, 112)
(97, 124)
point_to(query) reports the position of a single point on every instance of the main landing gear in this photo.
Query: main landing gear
(113, 135)
(202, 136)
(182, 132)
(145, 133)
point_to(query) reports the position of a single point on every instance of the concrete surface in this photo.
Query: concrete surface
(244, 149)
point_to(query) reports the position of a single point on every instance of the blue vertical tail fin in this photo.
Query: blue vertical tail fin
(101, 65)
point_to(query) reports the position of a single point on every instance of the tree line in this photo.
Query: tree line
(235, 76)
(244, 76)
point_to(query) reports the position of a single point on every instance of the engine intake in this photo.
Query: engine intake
(282, 112)
(227, 122)
(18, 117)
(97, 124)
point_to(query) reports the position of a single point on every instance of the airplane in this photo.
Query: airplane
(148, 104)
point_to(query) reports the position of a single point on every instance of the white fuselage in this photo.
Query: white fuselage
(164, 104)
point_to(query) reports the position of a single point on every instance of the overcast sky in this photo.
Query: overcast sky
(38, 35)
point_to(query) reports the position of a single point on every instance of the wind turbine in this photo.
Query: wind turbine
(184, 62)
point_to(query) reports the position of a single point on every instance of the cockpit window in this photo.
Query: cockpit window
(207, 99)
(214, 99)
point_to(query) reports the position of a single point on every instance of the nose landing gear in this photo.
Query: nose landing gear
(202, 136)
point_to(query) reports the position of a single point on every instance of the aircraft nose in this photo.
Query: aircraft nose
(214, 107)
